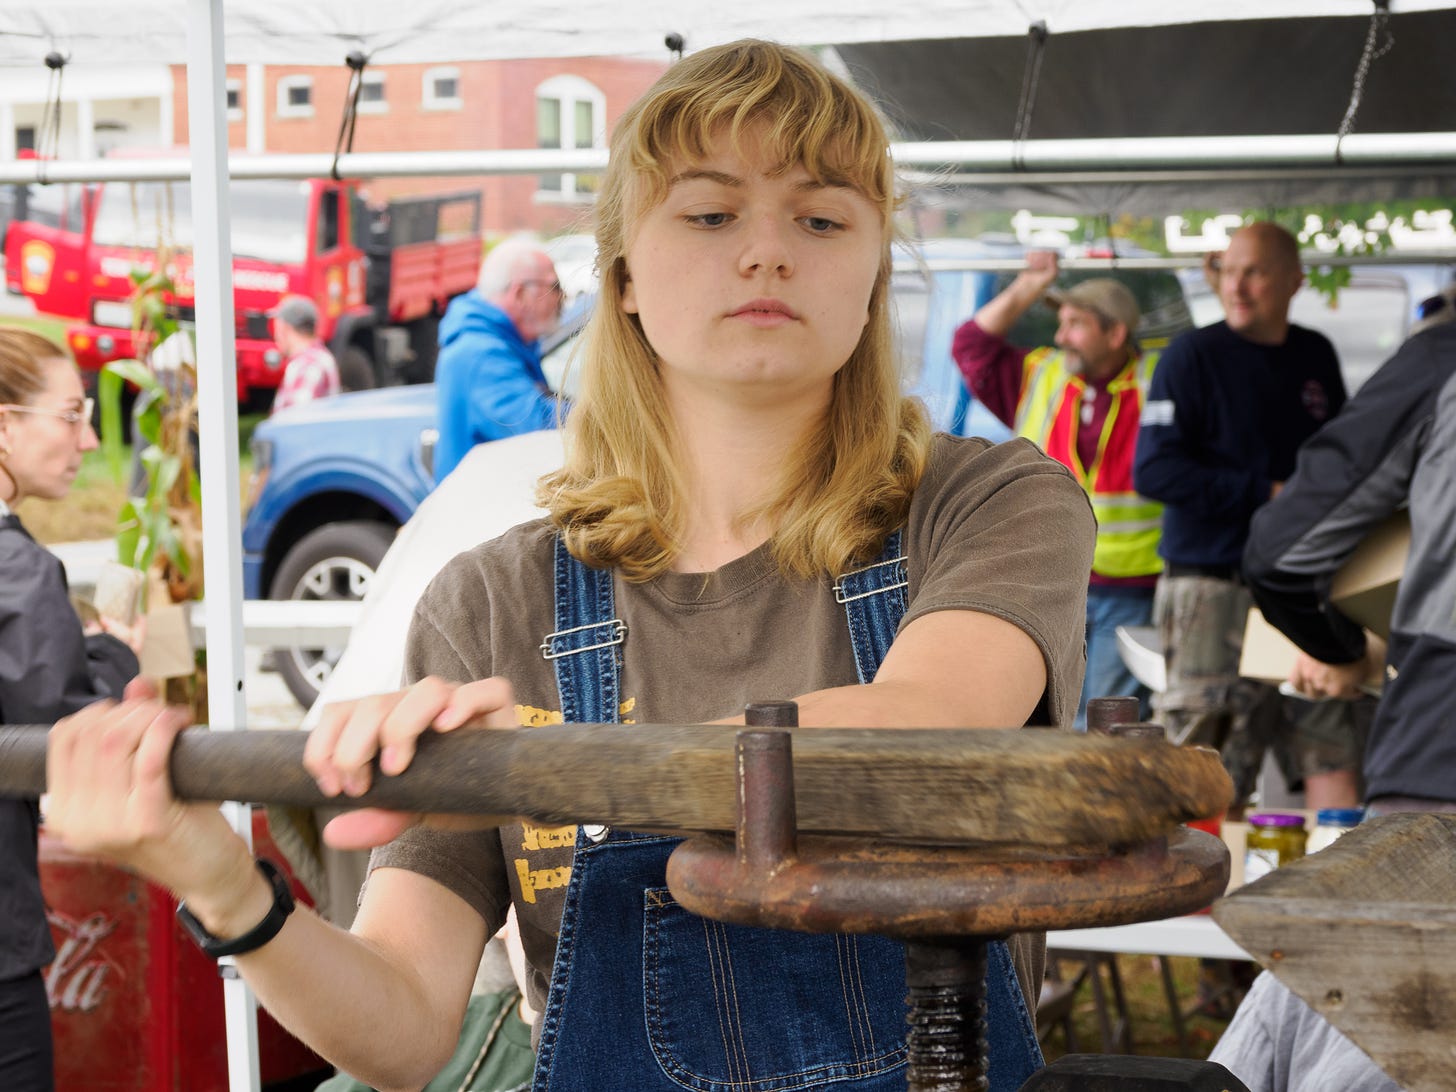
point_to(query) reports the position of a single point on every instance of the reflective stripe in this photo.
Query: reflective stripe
(1128, 526)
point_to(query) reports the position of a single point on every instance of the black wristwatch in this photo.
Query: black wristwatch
(255, 937)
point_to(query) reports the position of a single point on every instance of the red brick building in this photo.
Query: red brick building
(529, 103)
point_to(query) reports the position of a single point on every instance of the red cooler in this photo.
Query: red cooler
(135, 1007)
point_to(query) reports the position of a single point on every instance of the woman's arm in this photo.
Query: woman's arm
(950, 669)
(385, 1002)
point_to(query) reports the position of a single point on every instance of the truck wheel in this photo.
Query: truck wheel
(336, 561)
(356, 370)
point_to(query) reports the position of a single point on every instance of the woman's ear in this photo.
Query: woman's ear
(629, 292)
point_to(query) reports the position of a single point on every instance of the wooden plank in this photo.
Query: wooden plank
(1025, 788)
(1365, 932)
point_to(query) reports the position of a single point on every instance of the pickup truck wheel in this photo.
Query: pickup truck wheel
(356, 370)
(336, 561)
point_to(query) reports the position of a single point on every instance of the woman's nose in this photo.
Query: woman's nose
(768, 247)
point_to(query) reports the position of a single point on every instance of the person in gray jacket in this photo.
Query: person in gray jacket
(1393, 446)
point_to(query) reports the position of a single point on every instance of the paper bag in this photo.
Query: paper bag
(167, 652)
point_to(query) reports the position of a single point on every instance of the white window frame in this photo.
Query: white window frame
(287, 109)
(235, 87)
(429, 100)
(568, 90)
(382, 105)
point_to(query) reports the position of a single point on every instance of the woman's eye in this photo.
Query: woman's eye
(821, 225)
(709, 219)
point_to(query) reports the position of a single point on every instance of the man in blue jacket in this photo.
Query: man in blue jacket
(488, 378)
(1229, 406)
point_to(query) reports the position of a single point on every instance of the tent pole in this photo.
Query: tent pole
(217, 384)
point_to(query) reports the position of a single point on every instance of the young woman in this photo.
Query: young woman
(49, 667)
(739, 443)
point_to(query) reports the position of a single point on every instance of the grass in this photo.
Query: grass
(1153, 1033)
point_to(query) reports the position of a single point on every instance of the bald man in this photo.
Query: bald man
(1229, 406)
(488, 378)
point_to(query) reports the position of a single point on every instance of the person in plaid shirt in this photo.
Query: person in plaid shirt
(311, 372)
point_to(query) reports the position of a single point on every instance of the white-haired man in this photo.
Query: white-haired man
(488, 378)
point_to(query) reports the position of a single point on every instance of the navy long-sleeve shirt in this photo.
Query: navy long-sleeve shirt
(1223, 421)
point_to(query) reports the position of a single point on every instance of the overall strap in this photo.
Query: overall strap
(586, 647)
(875, 600)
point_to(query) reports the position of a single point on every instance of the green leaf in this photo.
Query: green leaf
(137, 374)
(113, 440)
(133, 547)
(147, 412)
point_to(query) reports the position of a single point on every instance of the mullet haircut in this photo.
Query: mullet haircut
(620, 499)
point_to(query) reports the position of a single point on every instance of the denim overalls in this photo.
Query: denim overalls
(718, 1007)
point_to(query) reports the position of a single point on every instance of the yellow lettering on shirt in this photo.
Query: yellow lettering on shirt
(540, 879)
(538, 838)
(531, 717)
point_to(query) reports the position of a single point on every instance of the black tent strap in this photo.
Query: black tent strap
(1379, 29)
(357, 61)
(1036, 36)
(48, 143)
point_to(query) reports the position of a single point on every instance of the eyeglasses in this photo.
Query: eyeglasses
(70, 416)
(553, 286)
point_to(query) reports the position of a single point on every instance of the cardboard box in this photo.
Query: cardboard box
(1364, 588)
(1269, 656)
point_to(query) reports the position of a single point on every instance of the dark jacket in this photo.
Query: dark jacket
(48, 669)
(1393, 445)
(1222, 422)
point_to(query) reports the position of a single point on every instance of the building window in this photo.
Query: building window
(570, 113)
(295, 97)
(235, 100)
(371, 94)
(441, 89)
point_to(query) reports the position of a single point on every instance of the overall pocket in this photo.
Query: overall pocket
(737, 1009)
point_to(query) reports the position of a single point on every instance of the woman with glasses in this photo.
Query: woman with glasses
(49, 667)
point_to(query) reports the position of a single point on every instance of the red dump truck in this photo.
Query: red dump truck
(381, 277)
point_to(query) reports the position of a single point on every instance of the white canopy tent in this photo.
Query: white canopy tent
(278, 32)
(204, 34)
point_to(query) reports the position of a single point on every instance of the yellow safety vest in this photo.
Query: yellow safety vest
(1128, 524)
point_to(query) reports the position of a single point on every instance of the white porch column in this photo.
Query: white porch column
(85, 129)
(256, 112)
(7, 131)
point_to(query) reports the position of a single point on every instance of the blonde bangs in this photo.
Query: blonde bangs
(620, 499)
(807, 117)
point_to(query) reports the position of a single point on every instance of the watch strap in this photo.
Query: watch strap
(256, 937)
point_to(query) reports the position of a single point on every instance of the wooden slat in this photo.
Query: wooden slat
(1022, 787)
(1365, 932)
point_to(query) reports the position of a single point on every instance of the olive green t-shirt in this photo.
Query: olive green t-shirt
(1000, 529)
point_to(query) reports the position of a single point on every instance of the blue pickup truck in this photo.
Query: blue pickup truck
(335, 479)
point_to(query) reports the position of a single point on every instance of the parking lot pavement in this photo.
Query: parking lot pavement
(270, 704)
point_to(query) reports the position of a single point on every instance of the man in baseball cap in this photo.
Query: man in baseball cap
(1080, 400)
(311, 371)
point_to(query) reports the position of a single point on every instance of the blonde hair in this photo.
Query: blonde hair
(620, 498)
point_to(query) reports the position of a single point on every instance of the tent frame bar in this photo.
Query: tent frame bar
(990, 163)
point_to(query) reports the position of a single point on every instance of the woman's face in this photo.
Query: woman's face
(753, 285)
(43, 450)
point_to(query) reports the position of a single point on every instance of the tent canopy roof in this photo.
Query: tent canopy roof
(322, 31)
